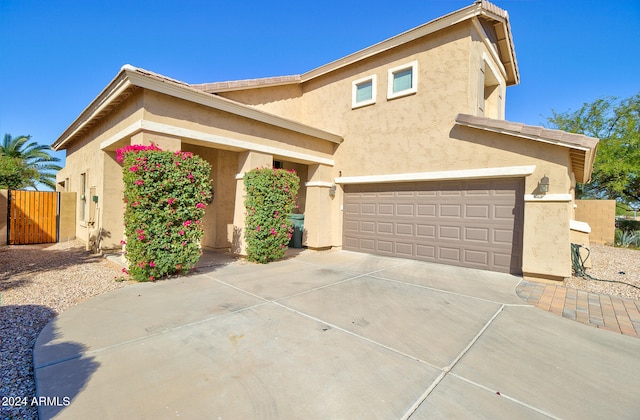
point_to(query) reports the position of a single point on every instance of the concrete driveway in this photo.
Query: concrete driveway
(330, 335)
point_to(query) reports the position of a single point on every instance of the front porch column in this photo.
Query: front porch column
(319, 214)
(163, 141)
(246, 162)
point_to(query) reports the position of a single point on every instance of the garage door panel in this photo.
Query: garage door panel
(385, 247)
(426, 210)
(502, 236)
(404, 249)
(477, 234)
(426, 231)
(385, 227)
(404, 210)
(476, 258)
(450, 232)
(479, 211)
(503, 212)
(385, 209)
(351, 226)
(449, 254)
(426, 252)
(404, 229)
(473, 223)
(367, 227)
(451, 210)
(368, 209)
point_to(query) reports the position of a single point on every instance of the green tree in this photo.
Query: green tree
(13, 173)
(34, 165)
(616, 122)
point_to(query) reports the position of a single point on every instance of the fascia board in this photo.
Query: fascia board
(494, 54)
(223, 104)
(114, 89)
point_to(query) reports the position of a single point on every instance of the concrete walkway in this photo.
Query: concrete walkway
(329, 335)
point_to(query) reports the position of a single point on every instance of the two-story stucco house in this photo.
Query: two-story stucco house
(402, 150)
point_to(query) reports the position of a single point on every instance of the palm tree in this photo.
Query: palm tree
(35, 157)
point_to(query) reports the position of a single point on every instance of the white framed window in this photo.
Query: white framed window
(403, 80)
(363, 91)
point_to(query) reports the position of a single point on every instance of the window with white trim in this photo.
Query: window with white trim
(403, 80)
(363, 91)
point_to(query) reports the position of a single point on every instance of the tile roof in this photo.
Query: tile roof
(248, 83)
(582, 148)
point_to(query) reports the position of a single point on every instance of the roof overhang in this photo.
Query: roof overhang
(130, 78)
(582, 149)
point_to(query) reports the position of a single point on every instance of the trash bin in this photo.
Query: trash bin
(298, 229)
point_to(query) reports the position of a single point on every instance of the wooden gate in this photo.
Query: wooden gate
(33, 217)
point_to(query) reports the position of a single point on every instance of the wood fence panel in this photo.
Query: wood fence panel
(33, 217)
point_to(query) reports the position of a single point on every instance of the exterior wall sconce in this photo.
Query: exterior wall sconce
(543, 185)
(332, 191)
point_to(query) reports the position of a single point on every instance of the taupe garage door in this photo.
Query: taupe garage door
(475, 223)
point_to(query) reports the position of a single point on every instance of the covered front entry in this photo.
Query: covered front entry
(468, 223)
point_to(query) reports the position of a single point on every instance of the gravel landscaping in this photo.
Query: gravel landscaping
(38, 282)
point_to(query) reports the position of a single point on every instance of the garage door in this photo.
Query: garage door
(476, 223)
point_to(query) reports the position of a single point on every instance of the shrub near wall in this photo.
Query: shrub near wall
(270, 198)
(166, 195)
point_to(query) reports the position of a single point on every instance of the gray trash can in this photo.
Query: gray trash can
(298, 229)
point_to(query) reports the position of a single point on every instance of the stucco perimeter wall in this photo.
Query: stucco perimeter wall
(67, 226)
(601, 217)
(4, 210)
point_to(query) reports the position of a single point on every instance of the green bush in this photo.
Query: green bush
(165, 195)
(628, 224)
(270, 198)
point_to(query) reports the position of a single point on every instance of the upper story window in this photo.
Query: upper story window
(363, 92)
(403, 80)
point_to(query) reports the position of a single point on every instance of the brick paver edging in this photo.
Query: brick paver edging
(611, 313)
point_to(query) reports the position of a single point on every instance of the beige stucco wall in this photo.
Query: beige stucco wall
(601, 217)
(4, 209)
(190, 116)
(103, 174)
(410, 134)
(67, 226)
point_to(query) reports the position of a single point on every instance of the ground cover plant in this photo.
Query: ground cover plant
(270, 198)
(166, 194)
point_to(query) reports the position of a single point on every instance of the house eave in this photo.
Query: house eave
(130, 78)
(582, 149)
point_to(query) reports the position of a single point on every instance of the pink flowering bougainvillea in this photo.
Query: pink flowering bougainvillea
(271, 196)
(164, 209)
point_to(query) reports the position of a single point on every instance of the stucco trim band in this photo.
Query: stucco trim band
(319, 184)
(500, 172)
(548, 197)
(579, 226)
(214, 139)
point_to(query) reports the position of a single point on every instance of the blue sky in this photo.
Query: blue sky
(56, 56)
